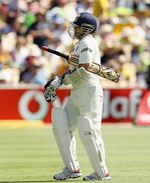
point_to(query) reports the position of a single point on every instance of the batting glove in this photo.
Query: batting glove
(50, 89)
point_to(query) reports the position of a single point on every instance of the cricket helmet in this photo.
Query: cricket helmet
(86, 21)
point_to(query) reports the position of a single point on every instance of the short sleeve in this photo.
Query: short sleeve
(86, 52)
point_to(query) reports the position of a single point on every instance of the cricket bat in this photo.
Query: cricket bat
(105, 72)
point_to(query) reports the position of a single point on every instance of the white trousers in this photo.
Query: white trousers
(83, 111)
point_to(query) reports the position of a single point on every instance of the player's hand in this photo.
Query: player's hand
(50, 96)
(50, 89)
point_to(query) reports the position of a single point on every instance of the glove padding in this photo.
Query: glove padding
(50, 89)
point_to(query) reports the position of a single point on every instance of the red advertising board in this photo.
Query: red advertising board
(120, 105)
(143, 117)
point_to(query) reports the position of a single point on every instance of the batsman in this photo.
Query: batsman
(83, 110)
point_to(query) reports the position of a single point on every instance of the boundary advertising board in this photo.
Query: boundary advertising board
(120, 105)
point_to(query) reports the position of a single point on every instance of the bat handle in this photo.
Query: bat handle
(55, 52)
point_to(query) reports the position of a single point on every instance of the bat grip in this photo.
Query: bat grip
(56, 52)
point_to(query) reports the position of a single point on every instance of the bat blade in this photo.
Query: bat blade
(107, 73)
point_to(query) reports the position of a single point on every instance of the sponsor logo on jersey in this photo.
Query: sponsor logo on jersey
(86, 49)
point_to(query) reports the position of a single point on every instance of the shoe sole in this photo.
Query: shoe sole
(70, 177)
(101, 179)
(106, 178)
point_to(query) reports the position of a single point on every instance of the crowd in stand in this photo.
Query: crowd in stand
(26, 25)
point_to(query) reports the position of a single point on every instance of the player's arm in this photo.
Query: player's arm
(86, 54)
(85, 57)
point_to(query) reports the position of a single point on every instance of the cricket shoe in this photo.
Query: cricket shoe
(94, 176)
(67, 174)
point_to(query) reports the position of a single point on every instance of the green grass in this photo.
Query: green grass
(31, 155)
